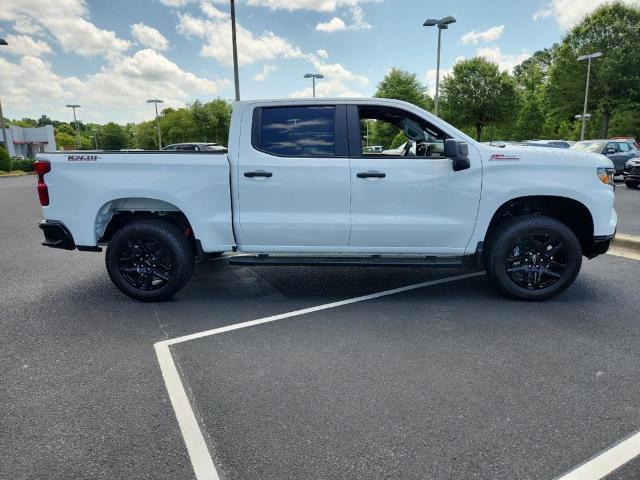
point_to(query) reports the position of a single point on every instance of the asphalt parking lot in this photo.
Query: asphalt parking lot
(447, 381)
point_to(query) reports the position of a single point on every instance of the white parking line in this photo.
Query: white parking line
(606, 462)
(194, 440)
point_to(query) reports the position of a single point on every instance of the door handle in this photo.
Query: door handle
(258, 173)
(371, 175)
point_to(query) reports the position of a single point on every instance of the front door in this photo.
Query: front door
(408, 198)
(293, 180)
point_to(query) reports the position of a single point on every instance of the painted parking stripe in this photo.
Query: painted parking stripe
(203, 466)
(606, 462)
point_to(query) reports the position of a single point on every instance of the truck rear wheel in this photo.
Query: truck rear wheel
(533, 257)
(150, 260)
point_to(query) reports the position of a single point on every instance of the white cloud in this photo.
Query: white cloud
(316, 5)
(211, 11)
(337, 24)
(66, 21)
(336, 71)
(149, 37)
(489, 35)
(506, 61)
(322, 54)
(264, 73)
(357, 15)
(251, 48)
(26, 24)
(175, 3)
(332, 25)
(25, 45)
(327, 88)
(569, 12)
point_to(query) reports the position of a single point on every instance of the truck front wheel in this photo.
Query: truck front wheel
(533, 257)
(150, 260)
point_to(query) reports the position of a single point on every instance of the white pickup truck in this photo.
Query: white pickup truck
(299, 187)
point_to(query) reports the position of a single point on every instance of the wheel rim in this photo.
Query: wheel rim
(145, 263)
(537, 260)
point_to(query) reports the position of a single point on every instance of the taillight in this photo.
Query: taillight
(42, 167)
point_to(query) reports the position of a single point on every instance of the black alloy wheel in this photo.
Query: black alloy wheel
(537, 261)
(146, 263)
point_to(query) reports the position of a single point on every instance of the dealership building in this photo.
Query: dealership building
(26, 142)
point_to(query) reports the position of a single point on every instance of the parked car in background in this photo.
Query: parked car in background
(195, 147)
(618, 151)
(373, 149)
(632, 173)
(628, 140)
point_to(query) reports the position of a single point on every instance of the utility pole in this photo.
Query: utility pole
(76, 122)
(4, 135)
(157, 101)
(586, 93)
(442, 24)
(234, 44)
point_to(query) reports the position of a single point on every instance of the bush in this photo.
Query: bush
(5, 160)
(24, 165)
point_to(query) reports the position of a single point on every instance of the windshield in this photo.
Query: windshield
(595, 147)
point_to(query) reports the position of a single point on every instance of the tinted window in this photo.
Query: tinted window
(611, 147)
(624, 147)
(298, 131)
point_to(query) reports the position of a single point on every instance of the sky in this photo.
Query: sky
(110, 56)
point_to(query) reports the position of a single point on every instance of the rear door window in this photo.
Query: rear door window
(305, 131)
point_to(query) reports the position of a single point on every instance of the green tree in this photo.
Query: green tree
(613, 30)
(5, 161)
(530, 122)
(402, 85)
(478, 94)
(65, 141)
(44, 120)
(113, 137)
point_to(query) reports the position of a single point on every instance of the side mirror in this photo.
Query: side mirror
(610, 151)
(458, 152)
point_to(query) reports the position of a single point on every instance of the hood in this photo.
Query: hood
(548, 155)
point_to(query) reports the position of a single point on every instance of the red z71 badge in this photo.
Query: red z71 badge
(502, 156)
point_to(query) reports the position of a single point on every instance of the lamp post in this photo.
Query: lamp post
(586, 93)
(76, 122)
(157, 101)
(313, 76)
(234, 45)
(442, 24)
(4, 135)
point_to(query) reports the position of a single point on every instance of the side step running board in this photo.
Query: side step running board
(371, 261)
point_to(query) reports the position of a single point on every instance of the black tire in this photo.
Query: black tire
(533, 257)
(150, 260)
(631, 185)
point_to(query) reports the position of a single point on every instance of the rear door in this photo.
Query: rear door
(294, 180)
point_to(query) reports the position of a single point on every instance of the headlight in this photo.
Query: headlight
(606, 175)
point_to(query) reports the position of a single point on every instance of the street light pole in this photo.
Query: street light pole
(313, 77)
(76, 123)
(4, 135)
(234, 45)
(442, 24)
(586, 93)
(157, 101)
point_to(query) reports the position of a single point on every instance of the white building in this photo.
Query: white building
(26, 142)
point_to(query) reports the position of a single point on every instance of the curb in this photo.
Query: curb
(627, 246)
(13, 175)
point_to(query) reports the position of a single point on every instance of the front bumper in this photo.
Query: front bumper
(632, 173)
(601, 245)
(56, 235)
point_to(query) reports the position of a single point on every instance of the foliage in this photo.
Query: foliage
(402, 85)
(615, 77)
(23, 165)
(113, 137)
(477, 94)
(5, 160)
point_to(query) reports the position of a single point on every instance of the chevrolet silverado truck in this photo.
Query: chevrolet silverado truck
(299, 187)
